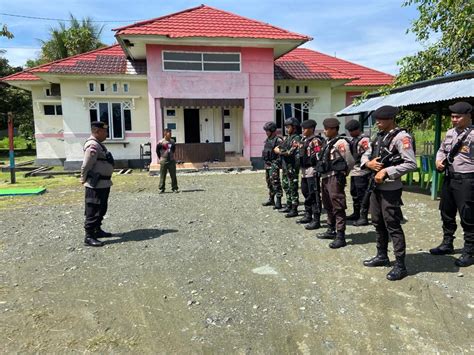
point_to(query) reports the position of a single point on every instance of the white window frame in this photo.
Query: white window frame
(126, 84)
(47, 92)
(202, 62)
(89, 86)
(55, 109)
(124, 105)
(105, 87)
(116, 85)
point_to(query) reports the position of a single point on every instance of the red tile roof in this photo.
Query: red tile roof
(206, 21)
(303, 64)
(107, 60)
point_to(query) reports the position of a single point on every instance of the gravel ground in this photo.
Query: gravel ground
(210, 270)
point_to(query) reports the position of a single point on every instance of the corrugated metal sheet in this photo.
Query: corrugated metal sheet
(430, 94)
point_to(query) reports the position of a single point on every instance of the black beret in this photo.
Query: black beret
(309, 124)
(461, 108)
(331, 123)
(99, 124)
(386, 112)
(352, 125)
(292, 121)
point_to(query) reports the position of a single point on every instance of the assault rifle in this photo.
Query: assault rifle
(454, 150)
(388, 158)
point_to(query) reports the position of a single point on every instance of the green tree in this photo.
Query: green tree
(4, 32)
(446, 30)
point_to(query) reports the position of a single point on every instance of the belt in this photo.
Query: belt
(102, 177)
(461, 175)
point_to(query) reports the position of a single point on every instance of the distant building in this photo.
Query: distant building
(211, 76)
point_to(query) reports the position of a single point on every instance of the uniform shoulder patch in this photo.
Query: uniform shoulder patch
(341, 147)
(406, 141)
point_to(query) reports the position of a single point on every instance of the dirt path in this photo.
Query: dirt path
(211, 271)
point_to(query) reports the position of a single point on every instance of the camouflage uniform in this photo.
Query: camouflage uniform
(291, 166)
(272, 165)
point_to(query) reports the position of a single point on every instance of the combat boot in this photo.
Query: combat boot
(293, 212)
(99, 233)
(339, 242)
(91, 240)
(278, 205)
(363, 219)
(315, 223)
(306, 218)
(446, 247)
(399, 271)
(285, 209)
(464, 260)
(270, 201)
(381, 259)
(329, 234)
(355, 215)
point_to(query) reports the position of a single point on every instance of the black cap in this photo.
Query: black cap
(292, 121)
(461, 108)
(309, 124)
(331, 123)
(99, 124)
(386, 112)
(352, 125)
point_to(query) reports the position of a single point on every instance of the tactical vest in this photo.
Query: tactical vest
(325, 165)
(354, 143)
(305, 159)
(382, 141)
(109, 158)
(287, 145)
(268, 154)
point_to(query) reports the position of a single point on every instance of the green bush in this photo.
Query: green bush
(18, 143)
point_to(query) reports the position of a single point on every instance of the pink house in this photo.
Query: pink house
(211, 76)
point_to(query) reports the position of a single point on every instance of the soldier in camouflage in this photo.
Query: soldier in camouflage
(289, 152)
(272, 165)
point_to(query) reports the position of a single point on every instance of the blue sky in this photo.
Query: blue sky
(370, 33)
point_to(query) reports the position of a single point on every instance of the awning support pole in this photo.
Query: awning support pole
(437, 143)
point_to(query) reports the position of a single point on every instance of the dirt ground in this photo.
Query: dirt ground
(210, 270)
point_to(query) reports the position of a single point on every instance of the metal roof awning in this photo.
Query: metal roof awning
(414, 97)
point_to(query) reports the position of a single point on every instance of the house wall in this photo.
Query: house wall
(254, 84)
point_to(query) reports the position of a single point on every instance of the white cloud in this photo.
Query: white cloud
(19, 56)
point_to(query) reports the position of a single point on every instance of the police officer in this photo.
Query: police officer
(96, 173)
(456, 158)
(386, 199)
(289, 152)
(310, 148)
(165, 151)
(360, 143)
(334, 166)
(272, 165)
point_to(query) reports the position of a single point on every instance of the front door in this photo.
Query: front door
(207, 125)
(191, 126)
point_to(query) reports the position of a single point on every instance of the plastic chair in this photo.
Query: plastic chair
(425, 170)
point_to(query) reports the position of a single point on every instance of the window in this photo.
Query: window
(195, 61)
(297, 89)
(226, 112)
(171, 126)
(170, 113)
(114, 87)
(102, 87)
(286, 110)
(305, 89)
(125, 87)
(91, 87)
(287, 89)
(47, 91)
(116, 114)
(226, 138)
(278, 89)
(53, 110)
(226, 125)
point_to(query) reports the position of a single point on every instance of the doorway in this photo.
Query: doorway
(191, 126)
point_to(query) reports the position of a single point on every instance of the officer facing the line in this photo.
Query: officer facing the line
(272, 165)
(386, 199)
(96, 173)
(310, 148)
(335, 163)
(456, 158)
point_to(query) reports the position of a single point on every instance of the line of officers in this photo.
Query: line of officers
(375, 168)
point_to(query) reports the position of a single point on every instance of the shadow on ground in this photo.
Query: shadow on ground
(425, 262)
(139, 235)
(361, 238)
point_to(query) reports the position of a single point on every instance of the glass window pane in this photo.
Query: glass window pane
(117, 120)
(182, 66)
(288, 111)
(298, 111)
(59, 110)
(221, 67)
(49, 110)
(221, 57)
(305, 114)
(171, 126)
(127, 116)
(192, 57)
(279, 121)
(93, 115)
(226, 125)
(91, 87)
(104, 115)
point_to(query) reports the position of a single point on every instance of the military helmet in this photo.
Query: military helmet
(292, 121)
(270, 126)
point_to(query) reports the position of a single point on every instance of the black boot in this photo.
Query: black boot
(306, 218)
(278, 205)
(293, 212)
(329, 234)
(464, 260)
(102, 234)
(339, 242)
(315, 223)
(286, 209)
(270, 202)
(363, 219)
(91, 240)
(381, 259)
(356, 215)
(399, 271)
(446, 247)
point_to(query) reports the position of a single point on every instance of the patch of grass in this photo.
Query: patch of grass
(18, 143)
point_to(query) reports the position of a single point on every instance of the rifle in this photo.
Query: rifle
(318, 194)
(390, 159)
(454, 150)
